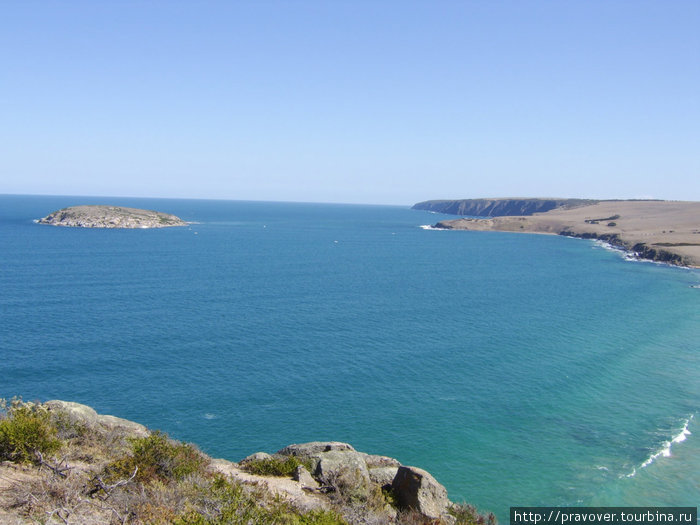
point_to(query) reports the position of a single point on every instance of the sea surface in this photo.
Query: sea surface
(518, 369)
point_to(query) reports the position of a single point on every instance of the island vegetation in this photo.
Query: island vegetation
(62, 463)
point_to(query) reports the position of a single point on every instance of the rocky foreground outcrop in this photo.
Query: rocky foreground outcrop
(99, 216)
(110, 470)
(338, 469)
(87, 416)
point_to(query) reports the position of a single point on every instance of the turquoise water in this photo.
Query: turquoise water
(518, 369)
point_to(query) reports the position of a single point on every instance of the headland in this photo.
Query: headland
(101, 216)
(663, 231)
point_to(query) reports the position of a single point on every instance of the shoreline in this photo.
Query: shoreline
(660, 231)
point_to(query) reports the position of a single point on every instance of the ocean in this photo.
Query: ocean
(517, 369)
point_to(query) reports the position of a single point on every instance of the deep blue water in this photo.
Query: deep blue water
(518, 369)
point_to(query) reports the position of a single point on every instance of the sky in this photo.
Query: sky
(380, 102)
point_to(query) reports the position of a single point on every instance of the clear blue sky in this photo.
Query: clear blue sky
(351, 101)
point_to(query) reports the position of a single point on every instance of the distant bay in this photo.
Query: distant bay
(517, 369)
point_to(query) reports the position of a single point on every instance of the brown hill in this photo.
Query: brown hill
(667, 231)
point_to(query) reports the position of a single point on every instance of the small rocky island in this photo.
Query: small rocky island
(101, 216)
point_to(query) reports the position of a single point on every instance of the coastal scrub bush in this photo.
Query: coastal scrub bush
(319, 517)
(389, 496)
(225, 502)
(232, 504)
(275, 466)
(25, 432)
(466, 514)
(66, 427)
(157, 458)
(377, 506)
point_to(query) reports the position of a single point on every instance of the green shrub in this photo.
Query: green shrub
(157, 458)
(390, 497)
(66, 427)
(232, 505)
(227, 503)
(275, 466)
(321, 517)
(25, 430)
(466, 514)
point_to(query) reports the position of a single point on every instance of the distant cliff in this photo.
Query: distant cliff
(499, 207)
(98, 216)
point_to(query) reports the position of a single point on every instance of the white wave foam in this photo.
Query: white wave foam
(632, 256)
(430, 227)
(210, 416)
(606, 245)
(631, 474)
(626, 255)
(683, 434)
(665, 450)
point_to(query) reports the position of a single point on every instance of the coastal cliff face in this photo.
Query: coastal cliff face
(639, 250)
(498, 207)
(98, 216)
(62, 462)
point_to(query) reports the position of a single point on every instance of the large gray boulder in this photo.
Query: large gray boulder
(416, 489)
(304, 478)
(257, 456)
(346, 471)
(88, 417)
(383, 476)
(337, 465)
(306, 450)
(375, 461)
(112, 423)
(74, 412)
